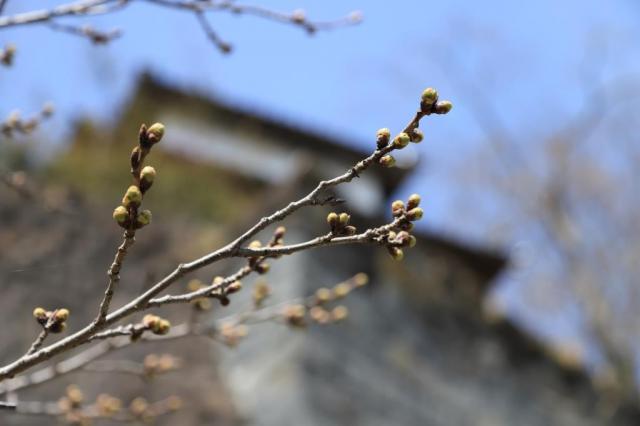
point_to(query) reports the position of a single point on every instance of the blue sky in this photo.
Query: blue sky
(532, 61)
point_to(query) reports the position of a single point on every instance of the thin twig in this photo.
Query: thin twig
(114, 274)
(233, 249)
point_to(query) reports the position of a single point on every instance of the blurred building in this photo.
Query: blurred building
(419, 346)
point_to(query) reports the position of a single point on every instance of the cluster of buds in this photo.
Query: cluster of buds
(54, 321)
(129, 215)
(156, 324)
(261, 291)
(321, 315)
(410, 212)
(139, 409)
(72, 399)
(145, 412)
(295, 314)
(7, 54)
(429, 104)
(15, 124)
(317, 306)
(201, 303)
(339, 224)
(107, 405)
(158, 364)
(223, 295)
(258, 263)
(232, 334)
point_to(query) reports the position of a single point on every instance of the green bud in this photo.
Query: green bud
(332, 219)
(155, 132)
(412, 241)
(62, 314)
(120, 215)
(417, 136)
(396, 253)
(40, 314)
(382, 137)
(387, 161)
(133, 196)
(443, 107)
(148, 174)
(344, 219)
(413, 201)
(429, 96)
(161, 327)
(401, 140)
(397, 207)
(144, 218)
(415, 214)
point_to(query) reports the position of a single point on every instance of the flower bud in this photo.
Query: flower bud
(382, 137)
(360, 279)
(323, 295)
(413, 201)
(147, 175)
(120, 215)
(429, 96)
(144, 218)
(443, 107)
(387, 161)
(401, 140)
(278, 234)
(133, 196)
(294, 315)
(61, 315)
(150, 321)
(339, 313)
(341, 290)
(40, 314)
(162, 327)
(415, 214)
(344, 219)
(350, 230)
(412, 241)
(155, 132)
(260, 292)
(234, 287)
(319, 315)
(417, 136)
(262, 268)
(333, 219)
(397, 207)
(396, 253)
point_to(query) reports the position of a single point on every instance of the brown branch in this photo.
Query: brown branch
(114, 274)
(39, 341)
(233, 249)
(96, 36)
(81, 7)
(222, 45)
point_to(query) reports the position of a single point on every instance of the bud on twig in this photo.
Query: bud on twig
(155, 133)
(387, 161)
(401, 140)
(382, 137)
(429, 97)
(413, 201)
(133, 196)
(443, 107)
(415, 214)
(416, 135)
